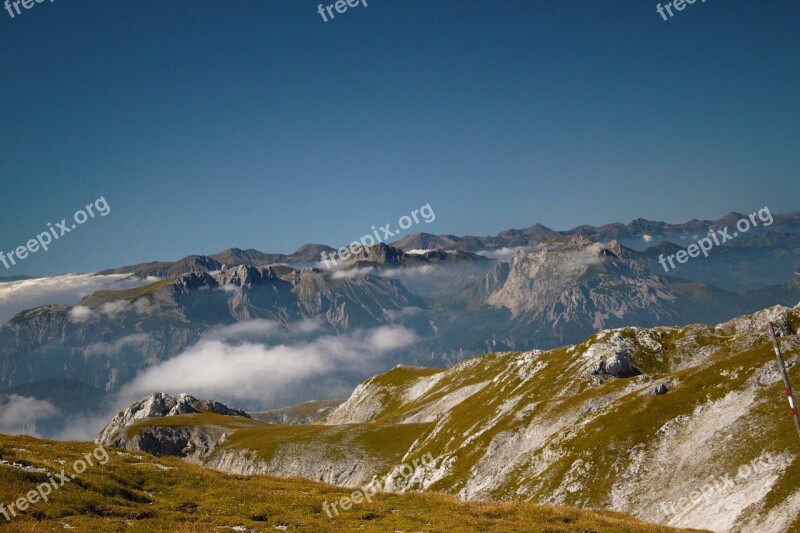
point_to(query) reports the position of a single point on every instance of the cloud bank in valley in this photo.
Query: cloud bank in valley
(19, 414)
(244, 370)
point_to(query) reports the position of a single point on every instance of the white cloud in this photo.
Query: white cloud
(80, 313)
(107, 348)
(418, 251)
(347, 274)
(503, 253)
(647, 238)
(258, 328)
(228, 365)
(404, 274)
(265, 331)
(142, 306)
(112, 309)
(16, 296)
(250, 371)
(19, 414)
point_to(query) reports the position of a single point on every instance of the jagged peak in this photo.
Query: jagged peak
(245, 275)
(160, 405)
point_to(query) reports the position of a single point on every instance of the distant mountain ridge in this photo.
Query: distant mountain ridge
(232, 257)
(639, 233)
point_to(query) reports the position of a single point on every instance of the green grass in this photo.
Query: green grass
(101, 297)
(383, 443)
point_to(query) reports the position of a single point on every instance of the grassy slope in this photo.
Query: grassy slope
(101, 297)
(313, 410)
(130, 493)
(556, 391)
(622, 417)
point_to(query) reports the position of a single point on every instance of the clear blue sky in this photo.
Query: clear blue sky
(210, 124)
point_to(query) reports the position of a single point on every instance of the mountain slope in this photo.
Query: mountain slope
(631, 419)
(139, 493)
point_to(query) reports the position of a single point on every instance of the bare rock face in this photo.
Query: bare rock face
(620, 366)
(580, 281)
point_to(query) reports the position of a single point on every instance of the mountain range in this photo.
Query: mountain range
(451, 297)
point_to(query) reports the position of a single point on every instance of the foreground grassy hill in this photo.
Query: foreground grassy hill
(134, 492)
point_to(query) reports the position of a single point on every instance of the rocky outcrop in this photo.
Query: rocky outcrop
(613, 354)
(193, 442)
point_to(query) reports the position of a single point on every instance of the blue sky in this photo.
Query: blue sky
(210, 124)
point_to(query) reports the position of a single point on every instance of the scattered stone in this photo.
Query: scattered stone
(661, 389)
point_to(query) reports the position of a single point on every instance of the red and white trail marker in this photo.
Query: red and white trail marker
(782, 368)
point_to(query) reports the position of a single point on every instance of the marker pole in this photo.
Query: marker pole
(782, 368)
